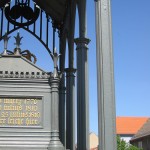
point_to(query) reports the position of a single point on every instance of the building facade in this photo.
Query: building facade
(127, 127)
(142, 138)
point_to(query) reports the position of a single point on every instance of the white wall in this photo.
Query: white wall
(127, 139)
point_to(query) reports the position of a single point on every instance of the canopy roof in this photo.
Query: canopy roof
(3, 2)
(54, 8)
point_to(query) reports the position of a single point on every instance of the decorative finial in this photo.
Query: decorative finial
(18, 40)
(17, 50)
(6, 38)
(55, 57)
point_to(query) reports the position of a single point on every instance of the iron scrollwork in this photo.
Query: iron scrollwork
(21, 10)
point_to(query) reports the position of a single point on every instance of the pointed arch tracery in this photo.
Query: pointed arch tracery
(40, 26)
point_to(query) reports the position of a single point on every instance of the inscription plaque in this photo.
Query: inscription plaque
(21, 112)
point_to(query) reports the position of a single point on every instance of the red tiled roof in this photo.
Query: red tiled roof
(144, 131)
(129, 125)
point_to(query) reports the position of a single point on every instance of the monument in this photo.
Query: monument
(28, 102)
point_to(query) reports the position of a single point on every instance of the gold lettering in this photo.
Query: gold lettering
(27, 101)
(31, 108)
(19, 112)
(15, 121)
(31, 122)
(35, 101)
(12, 107)
(2, 121)
(4, 114)
(12, 101)
(37, 115)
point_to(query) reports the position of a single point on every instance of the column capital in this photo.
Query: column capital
(70, 72)
(82, 40)
(82, 43)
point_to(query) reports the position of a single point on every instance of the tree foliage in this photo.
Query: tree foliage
(123, 145)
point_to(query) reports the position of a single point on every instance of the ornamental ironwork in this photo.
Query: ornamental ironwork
(27, 15)
(21, 14)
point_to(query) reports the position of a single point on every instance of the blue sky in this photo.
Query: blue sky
(131, 45)
(131, 37)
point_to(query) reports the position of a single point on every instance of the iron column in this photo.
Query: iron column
(82, 94)
(70, 108)
(105, 76)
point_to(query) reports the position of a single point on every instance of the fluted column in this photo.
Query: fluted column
(82, 94)
(70, 108)
(105, 78)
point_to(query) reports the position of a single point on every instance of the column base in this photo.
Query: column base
(56, 146)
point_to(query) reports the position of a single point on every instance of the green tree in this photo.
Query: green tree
(123, 145)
